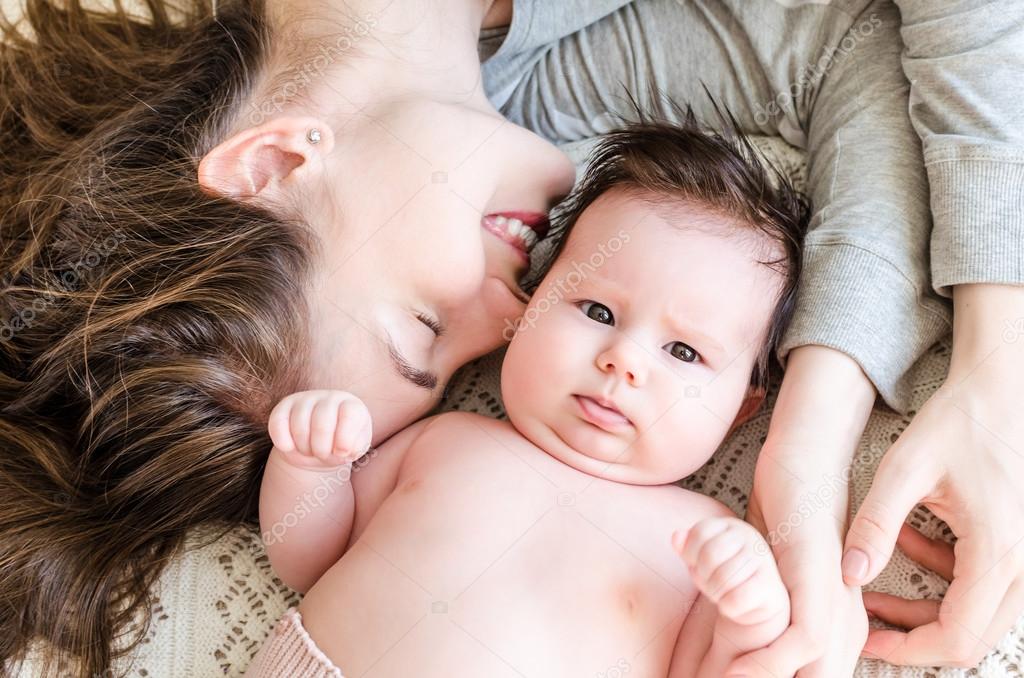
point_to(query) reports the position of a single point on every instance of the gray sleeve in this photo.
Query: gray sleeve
(965, 62)
(827, 78)
(508, 53)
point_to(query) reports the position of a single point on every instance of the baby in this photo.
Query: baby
(554, 544)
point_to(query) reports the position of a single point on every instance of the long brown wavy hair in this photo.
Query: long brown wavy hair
(146, 327)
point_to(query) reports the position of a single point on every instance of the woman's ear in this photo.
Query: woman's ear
(258, 160)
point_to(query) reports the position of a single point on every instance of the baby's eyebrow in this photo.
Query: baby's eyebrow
(424, 379)
(685, 329)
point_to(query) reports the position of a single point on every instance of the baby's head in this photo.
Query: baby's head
(665, 300)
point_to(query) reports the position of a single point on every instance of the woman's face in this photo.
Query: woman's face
(406, 245)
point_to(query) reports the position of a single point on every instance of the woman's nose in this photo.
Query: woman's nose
(625, 359)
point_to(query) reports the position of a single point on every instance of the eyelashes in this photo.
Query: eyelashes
(432, 323)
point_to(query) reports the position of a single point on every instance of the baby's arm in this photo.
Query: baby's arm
(308, 495)
(743, 604)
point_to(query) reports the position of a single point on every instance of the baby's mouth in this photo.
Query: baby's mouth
(602, 414)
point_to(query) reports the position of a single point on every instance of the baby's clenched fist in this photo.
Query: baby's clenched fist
(733, 567)
(320, 429)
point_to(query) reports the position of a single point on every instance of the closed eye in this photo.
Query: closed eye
(435, 325)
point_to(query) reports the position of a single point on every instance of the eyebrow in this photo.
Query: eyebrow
(688, 330)
(424, 379)
(707, 342)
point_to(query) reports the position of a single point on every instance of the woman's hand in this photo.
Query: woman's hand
(963, 457)
(800, 502)
(828, 623)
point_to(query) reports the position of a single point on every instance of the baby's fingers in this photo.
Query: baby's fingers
(299, 416)
(732, 566)
(279, 424)
(698, 536)
(354, 430)
(280, 436)
(324, 421)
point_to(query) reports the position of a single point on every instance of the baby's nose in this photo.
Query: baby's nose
(626, 360)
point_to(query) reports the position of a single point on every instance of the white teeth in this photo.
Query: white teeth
(517, 228)
(530, 238)
(527, 234)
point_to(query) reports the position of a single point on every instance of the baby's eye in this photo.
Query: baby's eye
(598, 312)
(683, 352)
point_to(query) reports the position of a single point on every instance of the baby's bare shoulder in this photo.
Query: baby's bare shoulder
(461, 423)
(467, 429)
(684, 507)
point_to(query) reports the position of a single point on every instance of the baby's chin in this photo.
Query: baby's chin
(622, 464)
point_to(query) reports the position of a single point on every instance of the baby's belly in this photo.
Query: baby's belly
(482, 571)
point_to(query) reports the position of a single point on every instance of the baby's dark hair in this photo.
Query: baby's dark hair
(675, 162)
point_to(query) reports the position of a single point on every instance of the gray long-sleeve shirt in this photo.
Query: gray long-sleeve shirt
(828, 77)
(965, 62)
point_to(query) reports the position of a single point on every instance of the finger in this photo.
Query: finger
(699, 534)
(913, 613)
(1009, 611)
(734, 573)
(352, 425)
(278, 426)
(298, 422)
(935, 554)
(323, 421)
(810, 576)
(897, 488)
(787, 655)
(897, 611)
(982, 580)
(717, 554)
(956, 637)
(759, 599)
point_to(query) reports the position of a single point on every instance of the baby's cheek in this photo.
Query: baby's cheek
(692, 437)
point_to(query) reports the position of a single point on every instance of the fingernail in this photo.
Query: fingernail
(855, 565)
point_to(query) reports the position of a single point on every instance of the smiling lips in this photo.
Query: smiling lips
(521, 230)
(603, 414)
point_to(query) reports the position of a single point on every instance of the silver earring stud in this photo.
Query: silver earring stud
(313, 136)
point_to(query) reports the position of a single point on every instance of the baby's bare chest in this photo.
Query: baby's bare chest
(493, 517)
(538, 562)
